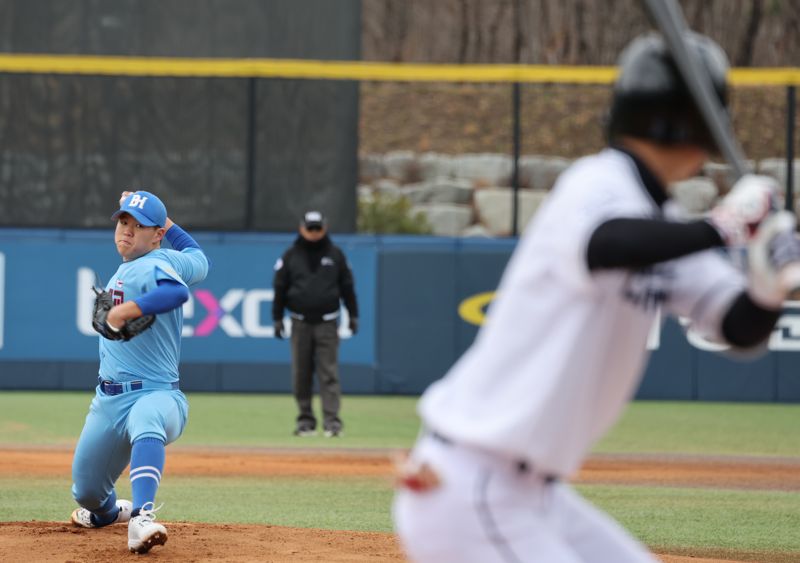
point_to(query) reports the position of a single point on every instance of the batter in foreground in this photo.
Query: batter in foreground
(564, 344)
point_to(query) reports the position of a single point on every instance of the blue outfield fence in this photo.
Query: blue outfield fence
(422, 300)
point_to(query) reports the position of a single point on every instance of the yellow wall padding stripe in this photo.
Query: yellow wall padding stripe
(290, 68)
(345, 70)
(765, 76)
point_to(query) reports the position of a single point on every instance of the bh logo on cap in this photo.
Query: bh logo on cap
(145, 207)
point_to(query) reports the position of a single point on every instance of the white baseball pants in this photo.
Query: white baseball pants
(488, 510)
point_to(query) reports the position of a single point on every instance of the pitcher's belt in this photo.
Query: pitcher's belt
(114, 388)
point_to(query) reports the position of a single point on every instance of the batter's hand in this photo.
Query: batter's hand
(751, 200)
(279, 329)
(774, 261)
(413, 475)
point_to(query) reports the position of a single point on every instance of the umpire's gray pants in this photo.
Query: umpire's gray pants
(315, 347)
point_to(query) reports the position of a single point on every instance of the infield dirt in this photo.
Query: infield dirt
(60, 542)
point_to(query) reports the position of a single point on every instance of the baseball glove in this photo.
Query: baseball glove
(103, 302)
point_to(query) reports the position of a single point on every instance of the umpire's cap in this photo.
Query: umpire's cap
(314, 220)
(145, 207)
(651, 99)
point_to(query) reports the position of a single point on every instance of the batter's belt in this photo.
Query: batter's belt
(520, 466)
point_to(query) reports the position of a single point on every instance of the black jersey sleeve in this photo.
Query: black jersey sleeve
(280, 286)
(746, 324)
(347, 286)
(638, 243)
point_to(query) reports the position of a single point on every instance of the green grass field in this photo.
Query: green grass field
(663, 517)
(255, 420)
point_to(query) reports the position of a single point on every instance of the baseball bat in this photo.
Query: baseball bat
(668, 17)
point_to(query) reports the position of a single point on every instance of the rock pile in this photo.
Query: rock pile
(471, 194)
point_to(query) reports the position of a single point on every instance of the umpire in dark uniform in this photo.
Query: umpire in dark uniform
(311, 278)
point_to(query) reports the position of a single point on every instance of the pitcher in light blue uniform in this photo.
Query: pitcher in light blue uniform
(138, 407)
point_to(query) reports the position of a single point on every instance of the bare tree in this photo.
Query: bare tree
(753, 32)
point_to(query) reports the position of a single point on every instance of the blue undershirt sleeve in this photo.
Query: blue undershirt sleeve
(180, 239)
(167, 296)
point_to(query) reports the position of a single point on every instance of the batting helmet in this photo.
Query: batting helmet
(652, 101)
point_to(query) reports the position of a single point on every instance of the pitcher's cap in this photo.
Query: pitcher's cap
(145, 207)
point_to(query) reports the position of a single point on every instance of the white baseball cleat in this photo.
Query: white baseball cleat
(82, 518)
(144, 533)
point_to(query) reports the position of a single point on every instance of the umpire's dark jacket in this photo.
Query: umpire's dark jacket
(310, 279)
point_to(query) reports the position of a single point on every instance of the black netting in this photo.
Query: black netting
(70, 144)
(307, 146)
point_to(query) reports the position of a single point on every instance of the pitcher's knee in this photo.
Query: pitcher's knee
(159, 434)
(88, 496)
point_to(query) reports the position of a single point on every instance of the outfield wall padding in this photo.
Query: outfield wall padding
(421, 300)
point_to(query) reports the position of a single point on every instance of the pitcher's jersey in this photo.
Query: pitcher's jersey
(154, 354)
(563, 348)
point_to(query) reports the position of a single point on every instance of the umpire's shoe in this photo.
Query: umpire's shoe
(82, 518)
(143, 532)
(305, 430)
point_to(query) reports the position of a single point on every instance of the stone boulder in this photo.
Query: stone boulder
(722, 174)
(486, 169)
(442, 190)
(695, 195)
(493, 208)
(401, 166)
(540, 172)
(445, 219)
(387, 188)
(434, 166)
(476, 231)
(371, 167)
(776, 167)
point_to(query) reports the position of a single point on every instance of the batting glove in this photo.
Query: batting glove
(774, 261)
(751, 200)
(279, 329)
